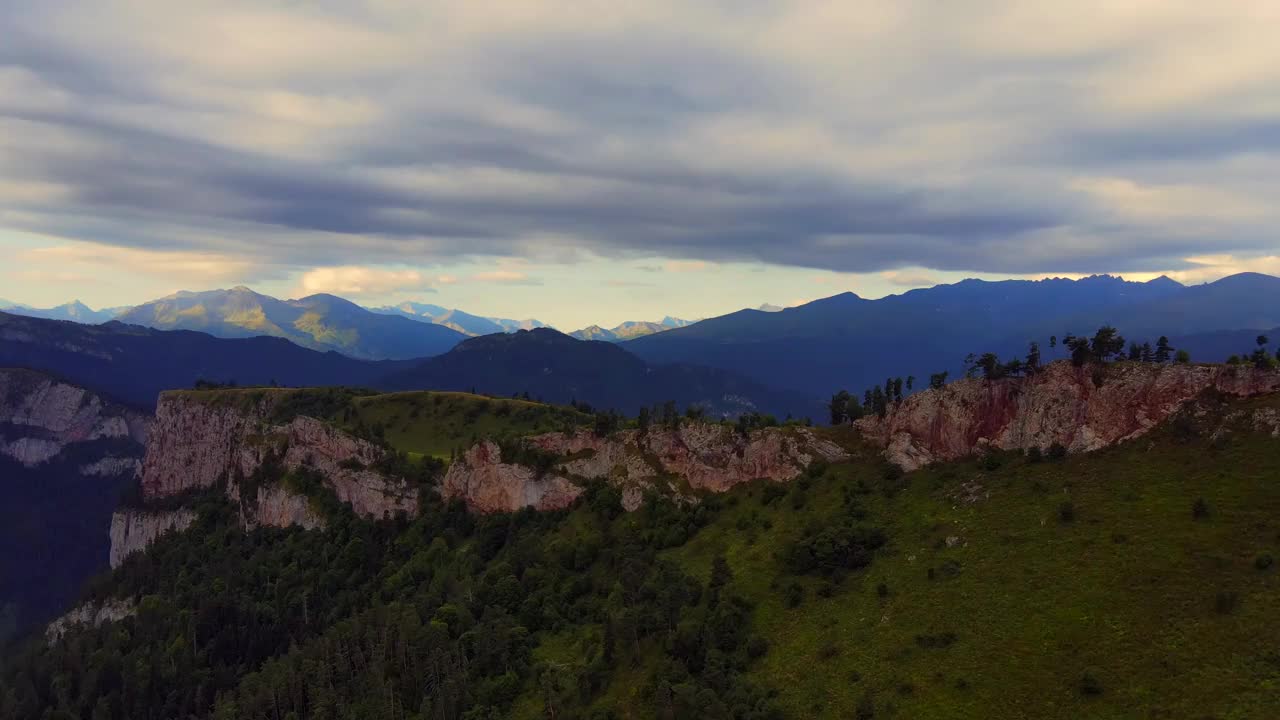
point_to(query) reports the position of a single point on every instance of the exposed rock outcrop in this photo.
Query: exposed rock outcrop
(133, 529)
(41, 416)
(487, 484)
(275, 506)
(91, 614)
(200, 440)
(697, 457)
(1081, 408)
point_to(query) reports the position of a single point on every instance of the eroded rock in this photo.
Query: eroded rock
(1061, 404)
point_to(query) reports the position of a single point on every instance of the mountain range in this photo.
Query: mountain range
(463, 322)
(629, 330)
(134, 364)
(74, 311)
(319, 322)
(843, 341)
(851, 342)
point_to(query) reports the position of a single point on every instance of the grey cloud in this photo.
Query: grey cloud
(603, 130)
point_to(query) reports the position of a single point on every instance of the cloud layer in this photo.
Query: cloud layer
(993, 136)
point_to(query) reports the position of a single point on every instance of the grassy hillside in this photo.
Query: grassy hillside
(1137, 582)
(1090, 587)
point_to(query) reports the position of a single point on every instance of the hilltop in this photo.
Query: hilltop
(555, 367)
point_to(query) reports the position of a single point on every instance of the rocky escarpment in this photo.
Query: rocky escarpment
(1080, 408)
(201, 439)
(205, 439)
(697, 457)
(134, 529)
(91, 614)
(41, 417)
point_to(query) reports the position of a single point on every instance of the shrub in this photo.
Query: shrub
(1090, 685)
(828, 650)
(1200, 509)
(882, 590)
(1226, 602)
(1067, 512)
(1262, 562)
(990, 462)
(828, 549)
(757, 647)
(1057, 451)
(1035, 454)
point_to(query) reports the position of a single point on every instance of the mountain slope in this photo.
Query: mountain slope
(135, 364)
(847, 341)
(558, 368)
(320, 322)
(463, 322)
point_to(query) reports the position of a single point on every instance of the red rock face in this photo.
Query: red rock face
(195, 444)
(700, 456)
(1061, 404)
(488, 485)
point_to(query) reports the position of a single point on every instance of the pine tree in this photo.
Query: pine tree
(1163, 351)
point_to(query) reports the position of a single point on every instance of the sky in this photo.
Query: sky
(598, 162)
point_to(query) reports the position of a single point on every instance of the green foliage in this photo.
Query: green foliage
(436, 618)
(698, 611)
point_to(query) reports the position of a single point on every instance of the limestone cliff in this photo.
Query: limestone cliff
(40, 417)
(135, 529)
(201, 440)
(697, 457)
(90, 614)
(1081, 408)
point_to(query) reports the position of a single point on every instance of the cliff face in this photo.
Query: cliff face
(706, 457)
(199, 440)
(133, 530)
(41, 416)
(196, 443)
(91, 614)
(1061, 404)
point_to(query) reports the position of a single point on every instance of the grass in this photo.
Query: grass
(1134, 608)
(419, 423)
(437, 423)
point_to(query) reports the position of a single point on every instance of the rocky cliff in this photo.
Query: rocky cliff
(1081, 408)
(697, 457)
(90, 614)
(205, 439)
(41, 417)
(134, 529)
(200, 439)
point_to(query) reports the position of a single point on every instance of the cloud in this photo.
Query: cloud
(1029, 137)
(505, 277)
(70, 261)
(685, 266)
(362, 281)
(909, 279)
